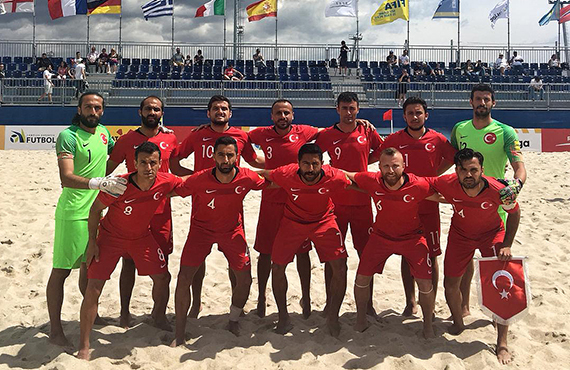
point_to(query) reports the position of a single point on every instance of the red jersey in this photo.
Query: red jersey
(309, 203)
(473, 217)
(349, 151)
(126, 145)
(218, 207)
(397, 217)
(280, 151)
(422, 157)
(201, 143)
(130, 214)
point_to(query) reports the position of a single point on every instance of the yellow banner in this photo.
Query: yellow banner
(389, 11)
(118, 131)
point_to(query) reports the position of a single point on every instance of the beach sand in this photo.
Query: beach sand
(30, 189)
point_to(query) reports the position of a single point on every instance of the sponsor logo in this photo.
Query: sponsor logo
(293, 189)
(127, 201)
(336, 141)
(210, 191)
(104, 138)
(21, 138)
(403, 146)
(463, 137)
(378, 193)
(269, 139)
(206, 138)
(135, 147)
(430, 147)
(456, 200)
(490, 138)
(85, 144)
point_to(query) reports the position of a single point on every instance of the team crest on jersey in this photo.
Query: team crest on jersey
(430, 147)
(361, 139)
(408, 198)
(323, 190)
(239, 189)
(293, 138)
(157, 195)
(490, 138)
(163, 145)
(104, 138)
(486, 205)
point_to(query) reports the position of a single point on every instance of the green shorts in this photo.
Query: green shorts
(70, 243)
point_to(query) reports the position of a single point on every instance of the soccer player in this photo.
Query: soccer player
(397, 230)
(151, 111)
(475, 224)
(201, 143)
(498, 143)
(82, 150)
(309, 214)
(350, 144)
(426, 153)
(217, 217)
(280, 144)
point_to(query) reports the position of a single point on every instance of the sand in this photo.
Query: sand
(30, 188)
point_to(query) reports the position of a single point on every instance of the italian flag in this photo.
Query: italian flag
(213, 7)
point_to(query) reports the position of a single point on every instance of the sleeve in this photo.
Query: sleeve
(454, 143)
(375, 142)
(186, 187)
(111, 142)
(175, 147)
(433, 183)
(258, 182)
(106, 199)
(186, 147)
(447, 150)
(512, 144)
(362, 179)
(321, 140)
(427, 190)
(278, 175)
(66, 142)
(254, 136)
(248, 152)
(118, 154)
(510, 208)
(310, 132)
(341, 179)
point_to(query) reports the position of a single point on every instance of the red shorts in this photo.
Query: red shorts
(360, 219)
(231, 244)
(460, 250)
(145, 252)
(270, 216)
(324, 234)
(161, 229)
(432, 231)
(378, 249)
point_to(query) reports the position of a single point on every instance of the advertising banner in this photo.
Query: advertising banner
(31, 137)
(530, 138)
(556, 140)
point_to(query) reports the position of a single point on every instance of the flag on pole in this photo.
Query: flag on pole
(213, 7)
(389, 11)
(261, 9)
(501, 10)
(564, 14)
(66, 8)
(447, 9)
(387, 116)
(341, 8)
(552, 15)
(158, 8)
(16, 6)
(104, 6)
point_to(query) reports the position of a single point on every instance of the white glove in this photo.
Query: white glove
(112, 185)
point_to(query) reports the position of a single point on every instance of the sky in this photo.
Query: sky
(300, 22)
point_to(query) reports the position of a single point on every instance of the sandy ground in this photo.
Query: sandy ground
(30, 188)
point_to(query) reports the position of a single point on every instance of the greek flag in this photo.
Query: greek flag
(158, 8)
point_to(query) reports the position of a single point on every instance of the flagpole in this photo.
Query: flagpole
(357, 36)
(391, 125)
(172, 36)
(88, 34)
(276, 16)
(34, 32)
(121, 33)
(508, 28)
(558, 17)
(458, 33)
(225, 20)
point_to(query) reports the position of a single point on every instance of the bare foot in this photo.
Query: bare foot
(306, 308)
(466, 311)
(455, 329)
(503, 355)
(361, 326)
(100, 321)
(410, 310)
(60, 340)
(177, 342)
(125, 321)
(372, 313)
(260, 308)
(194, 311)
(283, 326)
(428, 332)
(162, 323)
(234, 328)
(334, 328)
(83, 354)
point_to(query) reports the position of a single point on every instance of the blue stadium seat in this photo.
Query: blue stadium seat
(294, 77)
(18, 60)
(136, 61)
(176, 69)
(270, 77)
(543, 65)
(282, 69)
(270, 63)
(293, 70)
(305, 77)
(218, 62)
(120, 75)
(294, 63)
(187, 75)
(196, 76)
(312, 63)
(125, 61)
(29, 74)
(363, 64)
(239, 63)
(325, 77)
(217, 75)
(11, 66)
(165, 62)
(249, 63)
(283, 77)
(175, 76)
(7, 60)
(207, 68)
(163, 75)
(16, 74)
(123, 68)
(260, 76)
(134, 68)
(145, 61)
(373, 65)
(282, 63)
(156, 69)
(28, 60)
(141, 75)
(22, 67)
(155, 62)
(207, 76)
(533, 65)
(144, 68)
(217, 69)
(152, 75)
(165, 68)
(132, 75)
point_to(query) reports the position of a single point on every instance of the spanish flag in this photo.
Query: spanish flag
(389, 11)
(261, 9)
(104, 6)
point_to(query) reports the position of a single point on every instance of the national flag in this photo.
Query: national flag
(564, 14)
(389, 11)
(16, 6)
(552, 15)
(213, 7)
(387, 116)
(104, 6)
(66, 8)
(341, 8)
(447, 9)
(501, 10)
(504, 288)
(261, 9)
(158, 8)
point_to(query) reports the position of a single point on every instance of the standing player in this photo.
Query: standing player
(397, 230)
(217, 217)
(82, 152)
(201, 143)
(475, 224)
(280, 144)
(151, 111)
(124, 231)
(349, 144)
(498, 143)
(426, 153)
(309, 214)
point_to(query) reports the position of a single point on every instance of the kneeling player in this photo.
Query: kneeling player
(124, 232)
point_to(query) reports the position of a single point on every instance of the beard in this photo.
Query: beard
(146, 123)
(89, 121)
(391, 180)
(482, 113)
(225, 169)
(220, 122)
(416, 128)
(282, 125)
(310, 176)
(470, 183)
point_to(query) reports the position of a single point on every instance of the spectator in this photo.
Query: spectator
(516, 60)
(92, 60)
(535, 88)
(177, 59)
(232, 74)
(343, 58)
(427, 70)
(63, 71)
(76, 60)
(48, 84)
(468, 68)
(103, 63)
(199, 58)
(438, 71)
(404, 60)
(417, 69)
(391, 59)
(188, 61)
(80, 77)
(258, 59)
(501, 63)
(43, 63)
(553, 62)
(402, 86)
(479, 68)
(113, 61)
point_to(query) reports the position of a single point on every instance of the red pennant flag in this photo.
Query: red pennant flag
(504, 289)
(387, 115)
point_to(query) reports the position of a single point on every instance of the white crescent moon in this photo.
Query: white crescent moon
(361, 139)
(293, 138)
(239, 189)
(486, 205)
(406, 199)
(430, 147)
(504, 273)
(163, 145)
(324, 190)
(157, 195)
